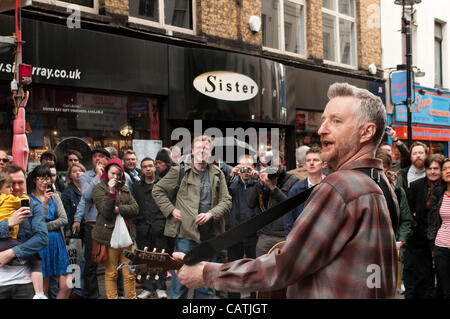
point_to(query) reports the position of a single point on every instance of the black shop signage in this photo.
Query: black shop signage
(87, 59)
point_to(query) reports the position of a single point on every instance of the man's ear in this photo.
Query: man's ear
(368, 132)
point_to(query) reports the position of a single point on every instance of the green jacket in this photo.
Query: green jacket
(106, 217)
(404, 227)
(188, 201)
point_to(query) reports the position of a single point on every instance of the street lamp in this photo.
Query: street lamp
(406, 29)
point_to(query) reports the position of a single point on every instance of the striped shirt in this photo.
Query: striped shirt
(341, 246)
(443, 235)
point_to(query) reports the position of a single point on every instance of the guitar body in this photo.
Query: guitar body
(275, 294)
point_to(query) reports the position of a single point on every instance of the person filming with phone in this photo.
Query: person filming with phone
(55, 259)
(15, 278)
(9, 204)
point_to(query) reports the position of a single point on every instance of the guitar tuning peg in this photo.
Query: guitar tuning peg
(154, 250)
(139, 277)
(156, 277)
(162, 251)
(145, 249)
(148, 277)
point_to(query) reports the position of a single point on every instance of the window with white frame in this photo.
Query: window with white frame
(171, 14)
(339, 35)
(284, 25)
(85, 5)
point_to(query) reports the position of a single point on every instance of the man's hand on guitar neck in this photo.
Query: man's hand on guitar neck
(190, 276)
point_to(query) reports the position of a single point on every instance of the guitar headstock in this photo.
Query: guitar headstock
(151, 262)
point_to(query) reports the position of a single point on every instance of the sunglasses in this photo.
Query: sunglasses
(4, 160)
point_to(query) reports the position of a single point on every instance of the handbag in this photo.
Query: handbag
(98, 252)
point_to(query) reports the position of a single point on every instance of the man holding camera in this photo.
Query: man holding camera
(272, 189)
(87, 210)
(241, 184)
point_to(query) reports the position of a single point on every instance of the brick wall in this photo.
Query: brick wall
(368, 33)
(228, 19)
(314, 41)
(116, 7)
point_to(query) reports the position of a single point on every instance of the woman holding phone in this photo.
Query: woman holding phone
(55, 260)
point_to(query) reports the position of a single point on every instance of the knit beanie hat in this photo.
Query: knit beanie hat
(163, 156)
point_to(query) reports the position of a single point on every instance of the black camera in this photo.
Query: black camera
(119, 184)
(50, 188)
(245, 170)
(25, 202)
(272, 172)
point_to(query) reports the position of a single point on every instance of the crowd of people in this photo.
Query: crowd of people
(173, 204)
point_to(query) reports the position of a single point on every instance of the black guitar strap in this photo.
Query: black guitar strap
(375, 175)
(209, 248)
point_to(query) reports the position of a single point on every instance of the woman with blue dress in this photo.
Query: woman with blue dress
(55, 260)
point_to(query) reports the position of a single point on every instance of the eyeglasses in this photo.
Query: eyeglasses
(4, 160)
(43, 179)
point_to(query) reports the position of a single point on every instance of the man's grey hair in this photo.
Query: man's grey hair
(371, 108)
(300, 154)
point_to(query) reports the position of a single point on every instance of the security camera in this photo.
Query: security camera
(373, 69)
(255, 24)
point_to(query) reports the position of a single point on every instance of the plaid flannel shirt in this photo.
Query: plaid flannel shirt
(341, 246)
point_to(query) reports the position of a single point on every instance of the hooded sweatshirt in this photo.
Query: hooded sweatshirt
(112, 161)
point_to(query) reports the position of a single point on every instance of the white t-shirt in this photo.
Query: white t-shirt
(14, 275)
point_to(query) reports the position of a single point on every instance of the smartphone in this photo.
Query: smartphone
(50, 188)
(25, 202)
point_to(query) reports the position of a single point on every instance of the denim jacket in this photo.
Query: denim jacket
(86, 208)
(32, 233)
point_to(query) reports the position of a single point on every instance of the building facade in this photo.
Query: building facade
(128, 73)
(430, 60)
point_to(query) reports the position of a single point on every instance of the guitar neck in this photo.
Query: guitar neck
(152, 263)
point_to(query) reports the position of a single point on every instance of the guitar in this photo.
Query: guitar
(144, 262)
(275, 294)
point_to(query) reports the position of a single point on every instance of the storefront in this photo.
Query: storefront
(105, 89)
(430, 118)
(122, 91)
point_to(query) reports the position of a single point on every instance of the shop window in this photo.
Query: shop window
(99, 119)
(339, 35)
(177, 15)
(307, 124)
(90, 6)
(284, 26)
